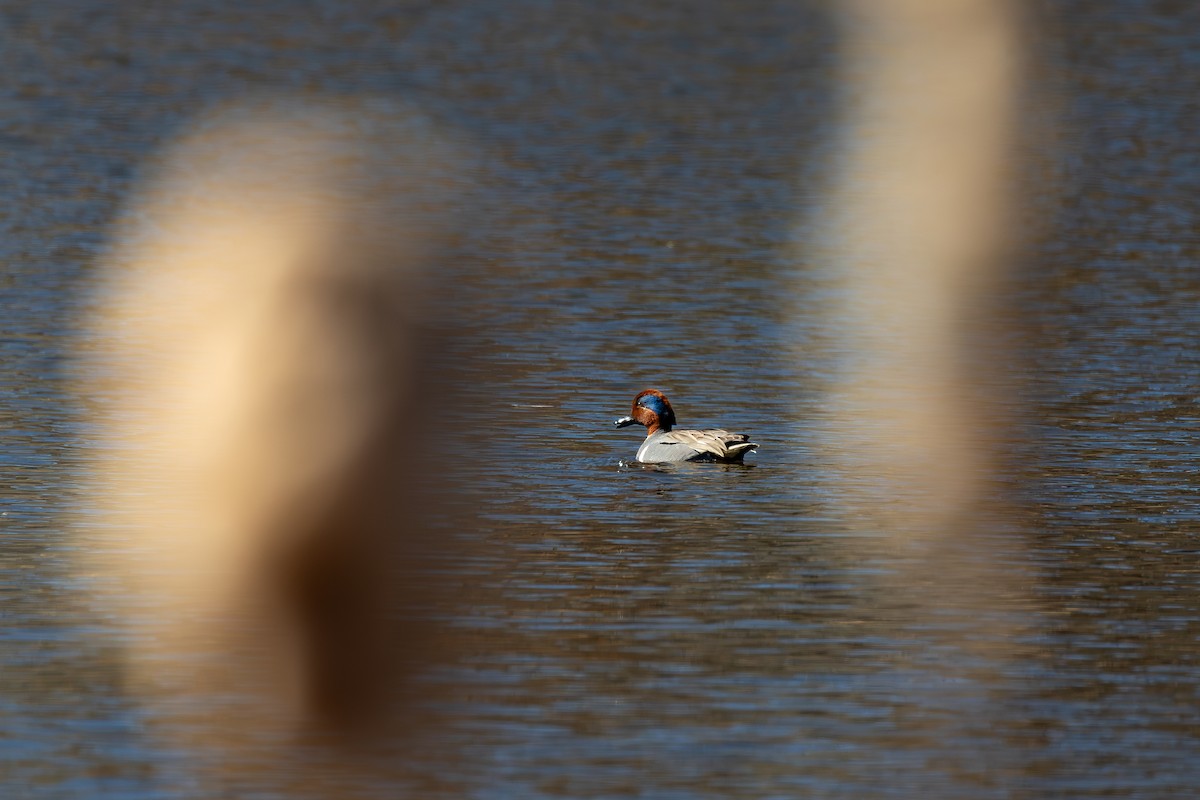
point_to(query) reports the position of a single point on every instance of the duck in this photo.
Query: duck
(652, 409)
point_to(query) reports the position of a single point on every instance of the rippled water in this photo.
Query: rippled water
(695, 632)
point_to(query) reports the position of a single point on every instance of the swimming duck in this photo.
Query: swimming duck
(652, 409)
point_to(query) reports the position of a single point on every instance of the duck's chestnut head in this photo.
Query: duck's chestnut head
(652, 409)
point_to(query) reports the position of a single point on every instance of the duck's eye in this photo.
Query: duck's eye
(653, 403)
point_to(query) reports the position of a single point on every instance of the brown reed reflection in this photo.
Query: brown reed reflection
(258, 372)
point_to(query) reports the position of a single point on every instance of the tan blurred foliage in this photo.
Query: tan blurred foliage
(259, 371)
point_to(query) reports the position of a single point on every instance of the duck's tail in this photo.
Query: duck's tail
(738, 451)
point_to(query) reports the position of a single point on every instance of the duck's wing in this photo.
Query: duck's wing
(719, 443)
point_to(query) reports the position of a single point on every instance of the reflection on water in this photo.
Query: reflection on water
(686, 633)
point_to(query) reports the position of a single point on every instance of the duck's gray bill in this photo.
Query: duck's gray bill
(623, 421)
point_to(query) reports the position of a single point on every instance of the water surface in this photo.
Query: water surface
(714, 632)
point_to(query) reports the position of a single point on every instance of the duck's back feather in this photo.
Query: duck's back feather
(683, 445)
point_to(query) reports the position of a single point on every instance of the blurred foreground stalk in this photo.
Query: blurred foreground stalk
(258, 371)
(916, 237)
